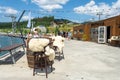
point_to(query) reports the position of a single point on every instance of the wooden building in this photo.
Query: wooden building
(91, 30)
(78, 32)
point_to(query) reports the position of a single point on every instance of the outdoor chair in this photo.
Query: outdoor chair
(38, 60)
(58, 53)
(114, 41)
(58, 45)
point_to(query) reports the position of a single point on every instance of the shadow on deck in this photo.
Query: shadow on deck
(8, 60)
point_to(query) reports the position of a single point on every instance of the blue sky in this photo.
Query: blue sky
(74, 10)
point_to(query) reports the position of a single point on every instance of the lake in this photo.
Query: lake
(6, 41)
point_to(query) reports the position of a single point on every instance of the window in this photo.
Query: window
(81, 31)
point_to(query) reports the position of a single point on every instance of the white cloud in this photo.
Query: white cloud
(51, 7)
(26, 17)
(26, 1)
(92, 8)
(116, 4)
(8, 10)
(50, 4)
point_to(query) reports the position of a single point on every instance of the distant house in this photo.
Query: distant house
(53, 24)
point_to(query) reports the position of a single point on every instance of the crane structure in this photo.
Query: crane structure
(13, 17)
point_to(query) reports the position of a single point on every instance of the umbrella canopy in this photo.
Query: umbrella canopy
(40, 28)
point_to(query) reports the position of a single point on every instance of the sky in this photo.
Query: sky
(74, 10)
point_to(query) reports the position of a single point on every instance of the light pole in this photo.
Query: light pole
(99, 14)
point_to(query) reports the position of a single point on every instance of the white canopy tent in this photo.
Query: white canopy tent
(41, 28)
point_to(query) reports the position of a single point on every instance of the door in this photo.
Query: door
(102, 34)
(108, 33)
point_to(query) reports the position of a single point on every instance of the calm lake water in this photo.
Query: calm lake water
(6, 40)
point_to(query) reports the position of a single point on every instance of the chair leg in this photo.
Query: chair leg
(59, 56)
(34, 67)
(63, 54)
(33, 71)
(41, 64)
(46, 67)
(57, 52)
(51, 66)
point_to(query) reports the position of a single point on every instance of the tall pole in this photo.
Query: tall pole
(99, 14)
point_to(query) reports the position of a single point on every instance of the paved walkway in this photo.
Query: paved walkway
(83, 61)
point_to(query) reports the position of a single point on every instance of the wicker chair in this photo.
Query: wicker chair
(60, 55)
(114, 41)
(38, 60)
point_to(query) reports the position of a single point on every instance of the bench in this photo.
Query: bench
(10, 48)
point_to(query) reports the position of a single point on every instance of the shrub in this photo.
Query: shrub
(84, 37)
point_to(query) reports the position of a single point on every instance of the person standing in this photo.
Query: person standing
(29, 36)
(69, 35)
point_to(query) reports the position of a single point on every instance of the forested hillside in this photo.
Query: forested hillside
(45, 21)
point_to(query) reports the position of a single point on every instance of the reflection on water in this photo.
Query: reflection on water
(6, 41)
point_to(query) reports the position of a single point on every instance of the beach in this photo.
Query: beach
(83, 61)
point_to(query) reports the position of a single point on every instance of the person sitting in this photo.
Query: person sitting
(29, 35)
